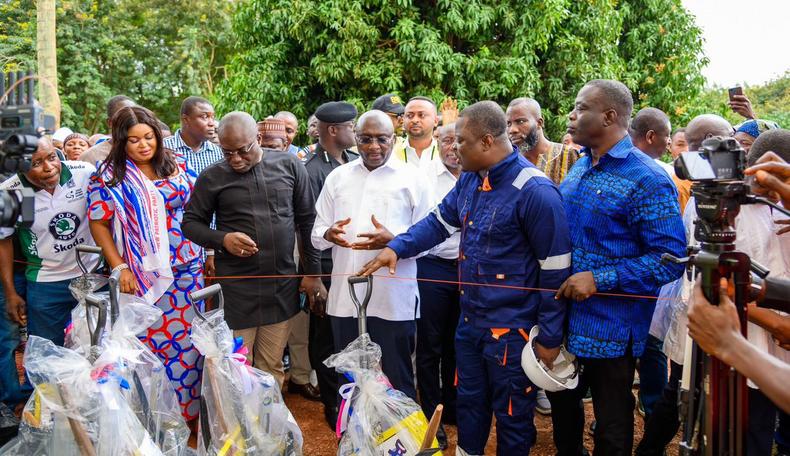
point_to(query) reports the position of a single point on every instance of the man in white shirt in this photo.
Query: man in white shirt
(439, 302)
(60, 224)
(362, 206)
(419, 148)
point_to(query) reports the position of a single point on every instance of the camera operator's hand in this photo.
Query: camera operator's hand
(740, 104)
(773, 322)
(714, 327)
(15, 307)
(773, 174)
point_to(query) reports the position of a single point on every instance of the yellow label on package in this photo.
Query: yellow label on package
(405, 437)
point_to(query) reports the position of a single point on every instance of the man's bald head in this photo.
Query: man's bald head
(377, 118)
(650, 131)
(286, 115)
(706, 126)
(530, 104)
(238, 138)
(237, 122)
(485, 118)
(375, 138)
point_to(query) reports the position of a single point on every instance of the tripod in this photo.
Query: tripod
(714, 399)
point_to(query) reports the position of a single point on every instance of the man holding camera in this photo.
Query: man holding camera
(60, 224)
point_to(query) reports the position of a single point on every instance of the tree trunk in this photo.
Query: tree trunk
(46, 53)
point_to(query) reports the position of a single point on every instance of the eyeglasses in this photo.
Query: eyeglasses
(242, 152)
(381, 140)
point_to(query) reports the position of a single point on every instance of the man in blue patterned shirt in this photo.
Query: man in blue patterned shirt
(622, 215)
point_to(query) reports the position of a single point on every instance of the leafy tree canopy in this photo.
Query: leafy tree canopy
(155, 52)
(296, 54)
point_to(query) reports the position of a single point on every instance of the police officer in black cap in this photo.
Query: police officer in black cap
(335, 139)
(393, 106)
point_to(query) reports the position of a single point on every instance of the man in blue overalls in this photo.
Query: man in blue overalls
(515, 244)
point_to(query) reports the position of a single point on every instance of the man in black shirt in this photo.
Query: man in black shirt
(335, 137)
(260, 198)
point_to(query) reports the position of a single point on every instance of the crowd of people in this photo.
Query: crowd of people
(475, 224)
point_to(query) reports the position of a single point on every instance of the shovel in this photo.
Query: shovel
(210, 371)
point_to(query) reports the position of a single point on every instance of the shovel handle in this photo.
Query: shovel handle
(80, 435)
(362, 306)
(95, 331)
(205, 293)
(82, 248)
(433, 428)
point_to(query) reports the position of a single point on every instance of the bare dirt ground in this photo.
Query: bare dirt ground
(319, 440)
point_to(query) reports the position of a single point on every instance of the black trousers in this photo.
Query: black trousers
(762, 424)
(610, 380)
(396, 339)
(664, 421)
(321, 346)
(439, 313)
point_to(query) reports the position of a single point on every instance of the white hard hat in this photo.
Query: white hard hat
(564, 374)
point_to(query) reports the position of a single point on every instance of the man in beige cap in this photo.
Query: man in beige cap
(271, 134)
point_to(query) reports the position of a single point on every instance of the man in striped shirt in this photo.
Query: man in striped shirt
(192, 140)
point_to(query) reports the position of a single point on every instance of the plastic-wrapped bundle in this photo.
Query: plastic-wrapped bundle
(75, 411)
(375, 419)
(77, 333)
(150, 393)
(244, 411)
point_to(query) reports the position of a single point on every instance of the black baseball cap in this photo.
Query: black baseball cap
(389, 103)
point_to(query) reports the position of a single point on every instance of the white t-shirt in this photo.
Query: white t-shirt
(60, 224)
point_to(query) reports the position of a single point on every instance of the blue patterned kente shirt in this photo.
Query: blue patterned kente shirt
(623, 215)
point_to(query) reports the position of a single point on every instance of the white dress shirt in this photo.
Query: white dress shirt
(755, 229)
(442, 181)
(399, 196)
(424, 161)
(668, 167)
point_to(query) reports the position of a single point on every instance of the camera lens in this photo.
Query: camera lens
(10, 208)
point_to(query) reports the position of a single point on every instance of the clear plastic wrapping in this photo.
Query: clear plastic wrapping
(150, 393)
(75, 410)
(243, 411)
(375, 419)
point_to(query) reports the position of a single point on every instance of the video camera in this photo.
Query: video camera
(22, 122)
(713, 396)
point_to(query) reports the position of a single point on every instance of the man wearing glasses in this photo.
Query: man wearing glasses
(261, 198)
(392, 106)
(362, 205)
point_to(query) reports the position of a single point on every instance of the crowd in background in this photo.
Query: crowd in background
(439, 197)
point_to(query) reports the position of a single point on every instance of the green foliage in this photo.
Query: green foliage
(296, 54)
(770, 101)
(155, 52)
